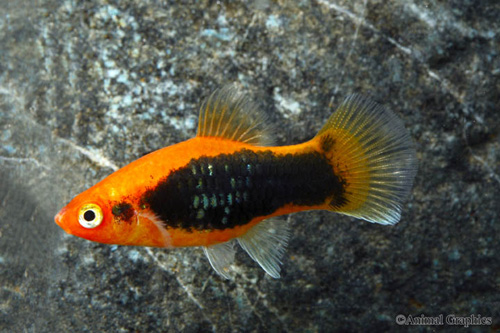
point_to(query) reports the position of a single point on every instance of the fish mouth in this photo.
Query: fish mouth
(59, 217)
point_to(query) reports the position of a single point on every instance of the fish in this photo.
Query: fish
(230, 184)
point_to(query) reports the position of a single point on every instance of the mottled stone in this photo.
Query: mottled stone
(88, 86)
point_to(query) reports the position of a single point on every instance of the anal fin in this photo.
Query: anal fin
(266, 243)
(220, 257)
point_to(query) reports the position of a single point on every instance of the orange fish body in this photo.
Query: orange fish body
(129, 185)
(225, 184)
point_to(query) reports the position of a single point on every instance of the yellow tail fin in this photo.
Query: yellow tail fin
(371, 151)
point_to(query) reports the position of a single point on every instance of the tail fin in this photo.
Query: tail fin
(372, 153)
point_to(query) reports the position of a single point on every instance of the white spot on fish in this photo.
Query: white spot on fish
(213, 201)
(221, 199)
(196, 202)
(205, 201)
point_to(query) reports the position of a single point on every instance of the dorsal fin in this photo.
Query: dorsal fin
(229, 114)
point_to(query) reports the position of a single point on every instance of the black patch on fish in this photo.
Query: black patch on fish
(231, 189)
(327, 143)
(123, 211)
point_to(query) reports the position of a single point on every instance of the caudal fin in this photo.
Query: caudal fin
(372, 153)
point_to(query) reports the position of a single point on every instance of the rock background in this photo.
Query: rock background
(86, 87)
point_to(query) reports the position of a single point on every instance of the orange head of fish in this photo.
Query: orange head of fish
(100, 214)
(89, 216)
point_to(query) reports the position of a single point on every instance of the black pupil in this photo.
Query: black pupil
(89, 216)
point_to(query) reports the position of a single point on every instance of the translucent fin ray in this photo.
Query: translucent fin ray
(374, 154)
(220, 256)
(229, 114)
(266, 244)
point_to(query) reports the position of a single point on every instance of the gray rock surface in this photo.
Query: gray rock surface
(86, 87)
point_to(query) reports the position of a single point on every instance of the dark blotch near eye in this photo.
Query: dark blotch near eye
(123, 211)
(89, 216)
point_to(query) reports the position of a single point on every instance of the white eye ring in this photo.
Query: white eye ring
(90, 216)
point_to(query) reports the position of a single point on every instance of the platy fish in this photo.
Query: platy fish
(229, 184)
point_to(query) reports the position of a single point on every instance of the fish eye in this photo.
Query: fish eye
(90, 216)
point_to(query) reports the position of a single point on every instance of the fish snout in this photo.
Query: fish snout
(60, 217)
